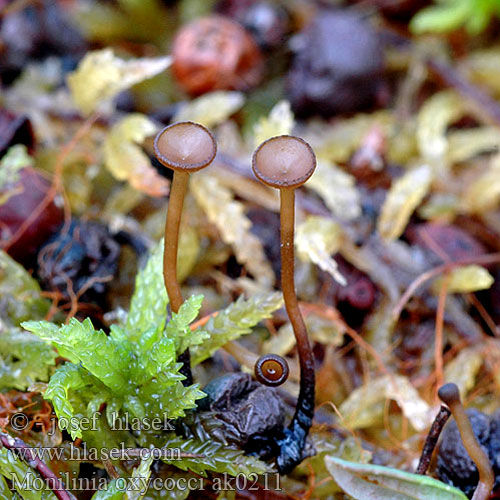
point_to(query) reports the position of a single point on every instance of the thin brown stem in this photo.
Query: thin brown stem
(304, 412)
(438, 341)
(177, 193)
(450, 395)
(479, 457)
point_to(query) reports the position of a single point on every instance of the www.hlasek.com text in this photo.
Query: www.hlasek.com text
(84, 454)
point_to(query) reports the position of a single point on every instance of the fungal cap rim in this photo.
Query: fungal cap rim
(449, 394)
(286, 183)
(266, 381)
(185, 167)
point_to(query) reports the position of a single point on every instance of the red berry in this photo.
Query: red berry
(215, 53)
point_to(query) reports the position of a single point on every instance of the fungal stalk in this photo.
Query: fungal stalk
(450, 395)
(185, 147)
(285, 163)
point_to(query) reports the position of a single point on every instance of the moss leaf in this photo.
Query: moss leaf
(236, 320)
(12, 162)
(363, 406)
(101, 75)
(463, 369)
(148, 307)
(466, 144)
(211, 109)
(320, 329)
(279, 122)
(12, 466)
(467, 279)
(126, 160)
(434, 118)
(20, 292)
(484, 192)
(228, 215)
(216, 457)
(337, 189)
(318, 238)
(448, 16)
(24, 359)
(405, 195)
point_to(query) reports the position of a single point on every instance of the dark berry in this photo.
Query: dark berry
(32, 189)
(37, 32)
(84, 256)
(337, 67)
(15, 130)
(452, 241)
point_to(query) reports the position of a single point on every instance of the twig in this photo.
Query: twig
(490, 258)
(56, 186)
(110, 469)
(432, 439)
(333, 315)
(438, 341)
(25, 452)
(473, 93)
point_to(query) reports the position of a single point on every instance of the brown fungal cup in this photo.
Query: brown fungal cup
(450, 395)
(185, 147)
(286, 162)
(271, 370)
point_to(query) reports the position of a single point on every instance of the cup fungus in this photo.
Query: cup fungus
(286, 162)
(271, 370)
(185, 147)
(450, 395)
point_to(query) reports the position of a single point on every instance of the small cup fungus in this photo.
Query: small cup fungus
(286, 162)
(185, 147)
(271, 370)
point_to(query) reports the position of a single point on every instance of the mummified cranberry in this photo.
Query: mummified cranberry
(337, 67)
(15, 130)
(360, 292)
(83, 257)
(247, 413)
(38, 30)
(215, 53)
(31, 190)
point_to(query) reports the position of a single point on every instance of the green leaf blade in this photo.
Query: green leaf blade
(374, 482)
(236, 320)
(148, 307)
